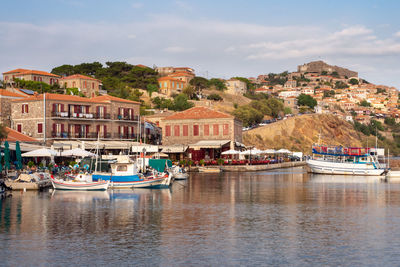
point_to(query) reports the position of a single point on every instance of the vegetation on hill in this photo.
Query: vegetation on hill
(118, 78)
(254, 112)
(39, 87)
(179, 103)
(306, 100)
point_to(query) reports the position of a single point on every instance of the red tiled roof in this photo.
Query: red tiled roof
(36, 72)
(198, 113)
(15, 71)
(181, 73)
(61, 97)
(13, 135)
(166, 78)
(79, 76)
(4, 92)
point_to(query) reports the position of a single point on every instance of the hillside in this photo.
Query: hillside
(300, 132)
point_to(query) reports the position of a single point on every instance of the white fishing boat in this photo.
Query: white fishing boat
(179, 173)
(345, 161)
(79, 185)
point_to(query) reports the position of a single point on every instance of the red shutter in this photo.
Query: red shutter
(76, 109)
(62, 107)
(126, 130)
(87, 131)
(98, 111)
(105, 111)
(54, 128)
(54, 107)
(98, 128)
(132, 113)
(62, 127)
(87, 109)
(40, 128)
(185, 130)
(27, 108)
(168, 130)
(119, 130)
(105, 130)
(119, 111)
(19, 128)
(23, 108)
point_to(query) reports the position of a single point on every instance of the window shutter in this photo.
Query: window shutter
(62, 107)
(98, 128)
(27, 108)
(87, 109)
(105, 130)
(54, 128)
(54, 107)
(105, 111)
(62, 127)
(23, 108)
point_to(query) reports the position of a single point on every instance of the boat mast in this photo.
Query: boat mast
(97, 151)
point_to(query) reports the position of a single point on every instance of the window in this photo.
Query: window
(168, 130)
(25, 108)
(40, 128)
(215, 129)
(122, 168)
(225, 129)
(165, 84)
(84, 84)
(92, 85)
(196, 130)
(176, 130)
(206, 129)
(173, 85)
(185, 130)
(19, 127)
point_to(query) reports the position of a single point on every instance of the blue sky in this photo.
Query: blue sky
(216, 38)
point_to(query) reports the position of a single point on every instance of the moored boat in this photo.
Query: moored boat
(345, 161)
(79, 185)
(179, 173)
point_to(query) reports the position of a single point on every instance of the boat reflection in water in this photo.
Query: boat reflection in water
(80, 196)
(345, 179)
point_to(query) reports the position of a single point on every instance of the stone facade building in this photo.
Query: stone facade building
(89, 86)
(320, 66)
(29, 75)
(5, 106)
(236, 87)
(207, 132)
(72, 117)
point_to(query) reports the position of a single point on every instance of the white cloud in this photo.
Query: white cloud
(223, 48)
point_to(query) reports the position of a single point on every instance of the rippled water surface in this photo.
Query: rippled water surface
(264, 218)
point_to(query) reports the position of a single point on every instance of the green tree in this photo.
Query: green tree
(306, 100)
(63, 70)
(190, 91)
(181, 103)
(248, 115)
(365, 103)
(287, 110)
(199, 83)
(390, 121)
(353, 81)
(341, 85)
(215, 97)
(217, 83)
(151, 88)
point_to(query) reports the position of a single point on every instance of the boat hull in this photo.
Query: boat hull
(83, 186)
(181, 176)
(325, 167)
(133, 181)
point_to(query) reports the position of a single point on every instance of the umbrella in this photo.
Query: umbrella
(19, 159)
(269, 151)
(230, 152)
(283, 151)
(6, 155)
(77, 152)
(42, 152)
(251, 152)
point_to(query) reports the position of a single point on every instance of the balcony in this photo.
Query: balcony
(125, 136)
(81, 116)
(93, 135)
(126, 118)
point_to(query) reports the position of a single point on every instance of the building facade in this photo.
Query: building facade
(5, 106)
(207, 132)
(89, 86)
(236, 87)
(73, 117)
(29, 75)
(170, 86)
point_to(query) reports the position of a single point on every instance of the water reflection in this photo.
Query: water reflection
(266, 218)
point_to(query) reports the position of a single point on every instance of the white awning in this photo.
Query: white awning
(209, 144)
(147, 148)
(174, 149)
(42, 152)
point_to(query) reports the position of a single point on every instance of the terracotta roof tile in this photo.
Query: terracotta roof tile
(4, 92)
(103, 98)
(167, 78)
(13, 135)
(37, 72)
(198, 113)
(79, 76)
(15, 71)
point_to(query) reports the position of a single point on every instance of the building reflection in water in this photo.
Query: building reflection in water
(274, 217)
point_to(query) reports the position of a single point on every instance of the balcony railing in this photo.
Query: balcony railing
(94, 135)
(126, 118)
(86, 116)
(125, 136)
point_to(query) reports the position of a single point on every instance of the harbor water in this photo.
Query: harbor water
(285, 217)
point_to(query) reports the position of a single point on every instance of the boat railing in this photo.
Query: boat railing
(340, 151)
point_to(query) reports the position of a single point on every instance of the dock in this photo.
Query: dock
(248, 168)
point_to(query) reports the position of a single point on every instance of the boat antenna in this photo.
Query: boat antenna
(97, 151)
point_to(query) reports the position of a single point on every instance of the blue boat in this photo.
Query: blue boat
(125, 175)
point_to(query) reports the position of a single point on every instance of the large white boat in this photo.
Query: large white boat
(345, 161)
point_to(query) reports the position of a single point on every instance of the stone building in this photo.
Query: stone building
(29, 75)
(5, 106)
(69, 117)
(165, 71)
(89, 86)
(236, 87)
(320, 66)
(207, 132)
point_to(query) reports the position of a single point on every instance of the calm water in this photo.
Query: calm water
(270, 218)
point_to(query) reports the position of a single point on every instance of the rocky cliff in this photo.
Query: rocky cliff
(300, 132)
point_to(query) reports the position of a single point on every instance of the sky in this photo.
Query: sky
(217, 38)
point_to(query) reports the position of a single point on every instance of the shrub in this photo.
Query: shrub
(215, 97)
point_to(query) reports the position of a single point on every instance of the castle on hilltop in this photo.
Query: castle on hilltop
(320, 66)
